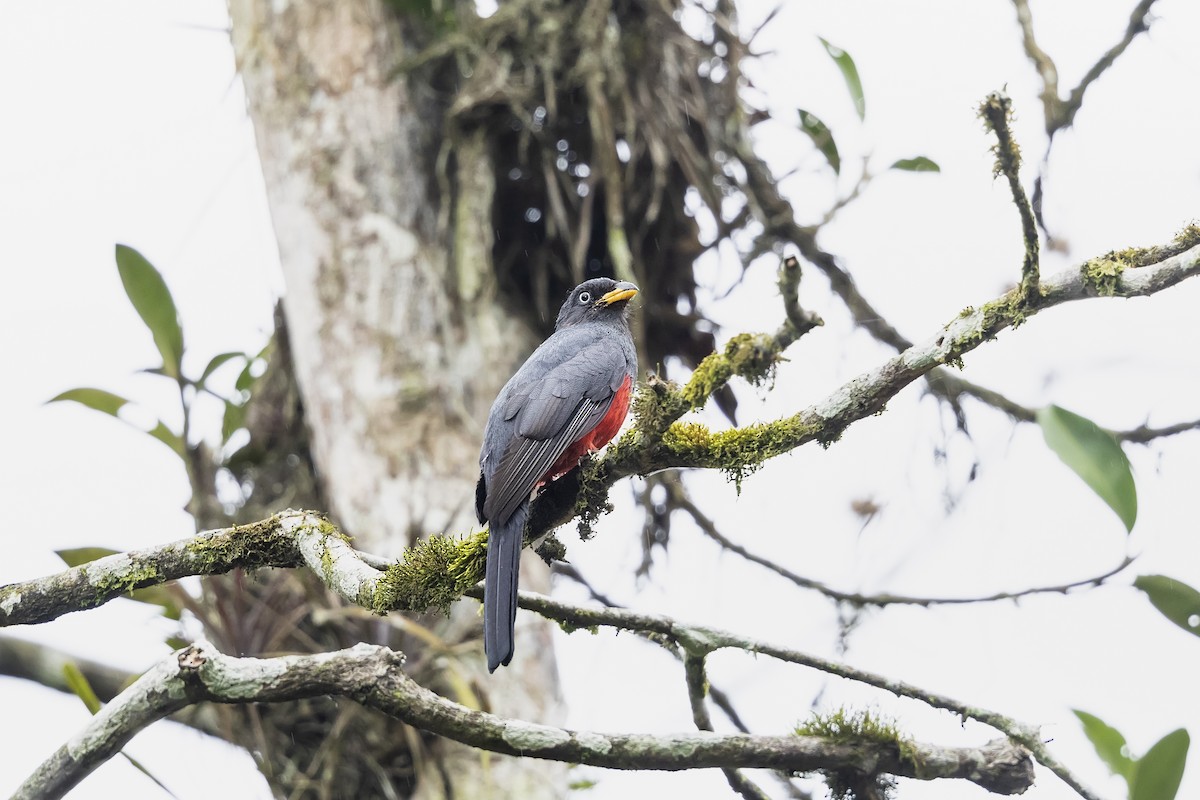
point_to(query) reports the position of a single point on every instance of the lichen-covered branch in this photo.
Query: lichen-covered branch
(261, 544)
(740, 451)
(698, 640)
(996, 112)
(373, 676)
(327, 554)
(439, 570)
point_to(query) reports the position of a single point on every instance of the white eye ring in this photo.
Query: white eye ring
(585, 297)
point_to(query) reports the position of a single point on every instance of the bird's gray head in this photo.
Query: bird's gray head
(599, 298)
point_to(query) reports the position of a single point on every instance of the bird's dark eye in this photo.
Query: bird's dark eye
(585, 297)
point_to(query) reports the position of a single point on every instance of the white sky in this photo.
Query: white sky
(126, 123)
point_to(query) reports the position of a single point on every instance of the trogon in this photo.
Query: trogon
(568, 399)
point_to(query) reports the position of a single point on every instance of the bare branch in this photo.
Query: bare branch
(799, 322)
(1139, 22)
(1051, 102)
(1060, 113)
(372, 676)
(949, 385)
(859, 600)
(45, 665)
(697, 687)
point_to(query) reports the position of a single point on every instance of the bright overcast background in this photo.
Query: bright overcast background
(125, 122)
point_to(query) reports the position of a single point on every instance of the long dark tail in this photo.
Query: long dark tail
(500, 588)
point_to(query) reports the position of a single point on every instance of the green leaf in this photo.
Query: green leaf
(917, 164)
(160, 596)
(78, 683)
(167, 437)
(1160, 771)
(99, 399)
(215, 364)
(1110, 745)
(818, 131)
(109, 403)
(1176, 600)
(233, 421)
(1094, 454)
(133, 762)
(74, 556)
(152, 300)
(850, 72)
(245, 378)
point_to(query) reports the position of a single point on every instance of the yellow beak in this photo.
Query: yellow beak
(623, 291)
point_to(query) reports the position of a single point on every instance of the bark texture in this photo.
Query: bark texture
(398, 341)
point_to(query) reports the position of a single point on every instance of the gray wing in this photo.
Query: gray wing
(545, 417)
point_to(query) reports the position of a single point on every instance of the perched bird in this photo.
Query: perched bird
(568, 399)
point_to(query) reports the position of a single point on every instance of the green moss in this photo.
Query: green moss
(139, 574)
(327, 530)
(752, 356)
(591, 500)
(1010, 310)
(551, 550)
(432, 574)
(996, 112)
(852, 727)
(1103, 274)
(1189, 237)
(737, 452)
(248, 546)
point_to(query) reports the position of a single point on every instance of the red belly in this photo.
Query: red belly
(599, 436)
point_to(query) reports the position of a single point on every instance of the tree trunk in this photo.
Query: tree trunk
(398, 339)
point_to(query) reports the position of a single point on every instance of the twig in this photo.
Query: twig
(697, 687)
(1138, 23)
(996, 112)
(373, 676)
(858, 600)
(950, 386)
(1051, 102)
(799, 321)
(1061, 113)
(719, 698)
(45, 665)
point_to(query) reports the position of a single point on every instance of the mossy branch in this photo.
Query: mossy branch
(324, 550)
(436, 572)
(996, 113)
(374, 677)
